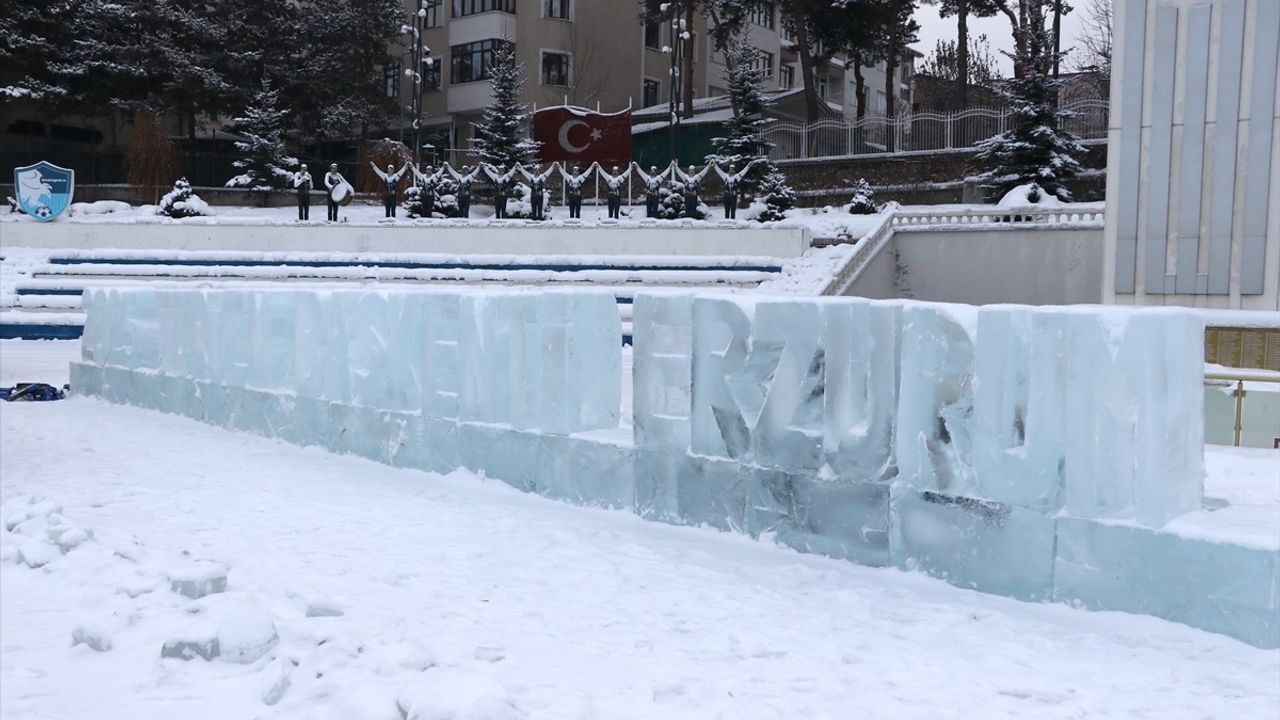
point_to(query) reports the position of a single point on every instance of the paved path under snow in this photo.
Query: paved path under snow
(517, 606)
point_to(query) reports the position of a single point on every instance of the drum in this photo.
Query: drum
(342, 194)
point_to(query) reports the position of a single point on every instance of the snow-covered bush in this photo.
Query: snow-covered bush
(671, 204)
(776, 196)
(864, 199)
(519, 206)
(446, 204)
(181, 202)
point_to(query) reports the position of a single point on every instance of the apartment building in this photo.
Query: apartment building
(585, 52)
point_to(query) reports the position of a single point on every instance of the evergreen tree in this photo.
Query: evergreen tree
(864, 199)
(1035, 148)
(263, 163)
(745, 140)
(181, 202)
(777, 197)
(501, 136)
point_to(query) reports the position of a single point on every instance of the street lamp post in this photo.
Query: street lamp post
(674, 50)
(419, 61)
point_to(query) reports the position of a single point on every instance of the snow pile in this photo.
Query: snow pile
(1028, 196)
(99, 207)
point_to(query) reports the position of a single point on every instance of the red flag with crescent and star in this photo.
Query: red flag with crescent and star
(578, 135)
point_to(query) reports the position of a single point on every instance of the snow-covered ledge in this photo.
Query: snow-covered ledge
(1049, 454)
(456, 237)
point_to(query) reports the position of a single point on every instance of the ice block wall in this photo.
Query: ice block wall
(1038, 453)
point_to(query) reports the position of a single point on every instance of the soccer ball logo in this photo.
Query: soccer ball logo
(43, 211)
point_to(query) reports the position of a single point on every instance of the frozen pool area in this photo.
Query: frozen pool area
(459, 594)
(1039, 453)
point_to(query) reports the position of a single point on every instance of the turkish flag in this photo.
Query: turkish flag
(577, 135)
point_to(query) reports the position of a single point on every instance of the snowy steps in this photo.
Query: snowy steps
(46, 303)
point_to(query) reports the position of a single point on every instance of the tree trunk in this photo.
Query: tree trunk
(806, 71)
(860, 89)
(890, 96)
(686, 63)
(962, 51)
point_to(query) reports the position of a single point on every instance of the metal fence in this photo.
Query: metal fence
(918, 133)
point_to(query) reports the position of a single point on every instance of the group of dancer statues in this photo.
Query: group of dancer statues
(504, 182)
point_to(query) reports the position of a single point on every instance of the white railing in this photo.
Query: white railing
(918, 133)
(867, 248)
(916, 219)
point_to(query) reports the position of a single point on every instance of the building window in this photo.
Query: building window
(431, 73)
(821, 84)
(391, 78)
(555, 69)
(786, 76)
(652, 90)
(762, 14)
(472, 62)
(763, 64)
(557, 9)
(651, 35)
(463, 8)
(435, 13)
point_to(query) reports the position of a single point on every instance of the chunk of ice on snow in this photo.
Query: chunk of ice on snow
(198, 579)
(93, 635)
(37, 553)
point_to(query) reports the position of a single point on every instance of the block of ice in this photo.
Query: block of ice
(846, 520)
(86, 379)
(227, 338)
(429, 444)
(712, 491)
(490, 333)
(586, 472)
(788, 356)
(861, 389)
(441, 357)
(1220, 587)
(273, 344)
(1019, 405)
(198, 579)
(508, 455)
(661, 371)
(1134, 415)
(656, 477)
(980, 544)
(935, 399)
(725, 400)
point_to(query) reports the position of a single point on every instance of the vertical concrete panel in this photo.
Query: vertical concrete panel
(1158, 163)
(1195, 67)
(1225, 139)
(1257, 187)
(1133, 30)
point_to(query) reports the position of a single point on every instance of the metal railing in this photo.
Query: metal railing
(918, 133)
(1238, 377)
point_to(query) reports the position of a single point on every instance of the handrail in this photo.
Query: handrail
(1240, 376)
(867, 248)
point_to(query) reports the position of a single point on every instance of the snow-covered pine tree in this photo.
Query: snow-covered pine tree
(745, 141)
(502, 135)
(776, 195)
(1035, 148)
(263, 163)
(864, 199)
(181, 202)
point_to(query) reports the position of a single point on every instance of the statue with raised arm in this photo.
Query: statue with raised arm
(692, 183)
(652, 185)
(502, 185)
(390, 181)
(614, 180)
(464, 179)
(732, 182)
(537, 188)
(427, 183)
(573, 183)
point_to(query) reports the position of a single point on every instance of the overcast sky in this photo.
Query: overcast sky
(997, 29)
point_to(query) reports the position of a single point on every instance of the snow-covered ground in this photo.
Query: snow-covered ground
(462, 598)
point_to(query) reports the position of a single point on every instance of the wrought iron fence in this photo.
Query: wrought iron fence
(918, 133)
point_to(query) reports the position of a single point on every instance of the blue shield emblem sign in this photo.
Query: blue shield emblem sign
(43, 190)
